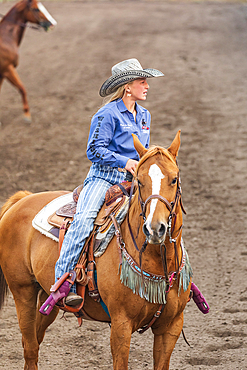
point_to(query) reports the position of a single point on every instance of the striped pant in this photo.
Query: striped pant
(98, 181)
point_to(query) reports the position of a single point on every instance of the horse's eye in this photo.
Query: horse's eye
(35, 10)
(174, 181)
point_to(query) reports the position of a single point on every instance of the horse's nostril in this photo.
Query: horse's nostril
(145, 230)
(155, 233)
(162, 230)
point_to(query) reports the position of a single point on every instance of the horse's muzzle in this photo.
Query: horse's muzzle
(46, 25)
(157, 234)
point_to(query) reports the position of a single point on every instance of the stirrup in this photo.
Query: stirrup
(199, 300)
(59, 291)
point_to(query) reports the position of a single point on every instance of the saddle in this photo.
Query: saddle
(85, 269)
(114, 199)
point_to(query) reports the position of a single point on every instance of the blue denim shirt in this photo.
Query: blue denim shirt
(110, 141)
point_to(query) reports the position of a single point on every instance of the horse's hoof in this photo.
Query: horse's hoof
(27, 117)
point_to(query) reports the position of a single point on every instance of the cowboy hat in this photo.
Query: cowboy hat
(124, 72)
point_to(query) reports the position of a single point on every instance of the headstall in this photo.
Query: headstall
(25, 25)
(168, 278)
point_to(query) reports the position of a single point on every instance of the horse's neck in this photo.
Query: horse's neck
(151, 258)
(13, 23)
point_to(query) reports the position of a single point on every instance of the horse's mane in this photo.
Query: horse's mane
(19, 7)
(152, 151)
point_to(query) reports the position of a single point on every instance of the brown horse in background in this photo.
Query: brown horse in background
(27, 260)
(12, 28)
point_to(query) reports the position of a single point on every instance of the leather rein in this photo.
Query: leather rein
(171, 206)
(172, 276)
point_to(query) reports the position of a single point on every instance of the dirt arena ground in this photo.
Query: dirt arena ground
(201, 48)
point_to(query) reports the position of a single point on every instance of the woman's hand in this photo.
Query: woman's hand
(131, 166)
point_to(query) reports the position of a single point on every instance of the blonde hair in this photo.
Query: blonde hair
(118, 94)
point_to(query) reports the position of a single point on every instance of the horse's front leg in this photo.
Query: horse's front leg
(121, 331)
(13, 77)
(164, 343)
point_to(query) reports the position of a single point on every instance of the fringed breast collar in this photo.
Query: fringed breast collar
(154, 288)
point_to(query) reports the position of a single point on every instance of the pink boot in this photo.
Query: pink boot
(59, 290)
(199, 300)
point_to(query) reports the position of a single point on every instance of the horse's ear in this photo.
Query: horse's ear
(175, 145)
(141, 150)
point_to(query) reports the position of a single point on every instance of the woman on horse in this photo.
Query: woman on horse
(111, 150)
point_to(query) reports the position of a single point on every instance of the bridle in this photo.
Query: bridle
(172, 207)
(171, 276)
(34, 11)
(23, 25)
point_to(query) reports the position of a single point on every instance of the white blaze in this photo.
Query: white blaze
(156, 176)
(46, 14)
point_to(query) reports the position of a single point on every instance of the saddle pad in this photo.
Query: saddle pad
(40, 220)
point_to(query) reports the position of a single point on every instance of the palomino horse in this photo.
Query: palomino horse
(27, 260)
(12, 28)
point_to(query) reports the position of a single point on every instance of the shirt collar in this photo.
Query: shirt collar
(122, 108)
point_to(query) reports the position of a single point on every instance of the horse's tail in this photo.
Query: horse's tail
(10, 202)
(3, 288)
